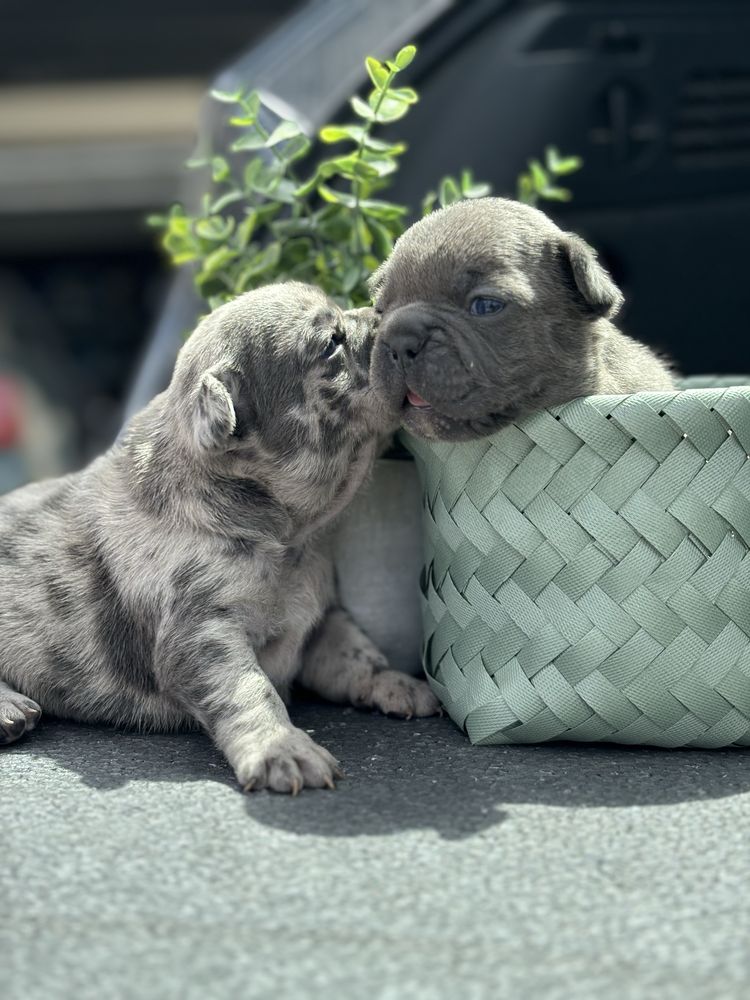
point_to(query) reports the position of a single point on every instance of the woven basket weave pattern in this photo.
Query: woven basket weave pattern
(587, 572)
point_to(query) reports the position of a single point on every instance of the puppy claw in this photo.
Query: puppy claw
(18, 715)
(329, 783)
(287, 762)
(401, 695)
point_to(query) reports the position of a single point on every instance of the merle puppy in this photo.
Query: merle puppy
(183, 577)
(490, 311)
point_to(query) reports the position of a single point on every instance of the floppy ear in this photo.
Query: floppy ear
(593, 287)
(214, 417)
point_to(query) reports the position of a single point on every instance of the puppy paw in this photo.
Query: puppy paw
(394, 693)
(288, 762)
(18, 715)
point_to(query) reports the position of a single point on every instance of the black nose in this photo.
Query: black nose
(405, 337)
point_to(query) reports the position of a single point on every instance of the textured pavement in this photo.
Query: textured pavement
(130, 866)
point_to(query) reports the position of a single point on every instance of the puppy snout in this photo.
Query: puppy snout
(406, 336)
(406, 346)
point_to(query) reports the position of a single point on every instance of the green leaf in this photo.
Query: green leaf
(213, 284)
(176, 243)
(286, 228)
(526, 192)
(327, 168)
(251, 140)
(351, 278)
(382, 241)
(561, 165)
(556, 194)
(215, 228)
(227, 97)
(539, 176)
(406, 94)
(352, 167)
(294, 149)
(478, 191)
(379, 167)
(178, 225)
(260, 264)
(251, 104)
(387, 148)
(470, 189)
(307, 187)
(219, 169)
(337, 133)
(336, 197)
(428, 202)
(389, 109)
(217, 260)
(284, 191)
(266, 179)
(364, 236)
(405, 56)
(382, 210)
(449, 192)
(226, 199)
(362, 109)
(246, 228)
(265, 213)
(251, 171)
(333, 225)
(284, 130)
(296, 251)
(197, 162)
(378, 73)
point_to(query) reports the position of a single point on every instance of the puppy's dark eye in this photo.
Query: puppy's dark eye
(333, 345)
(483, 305)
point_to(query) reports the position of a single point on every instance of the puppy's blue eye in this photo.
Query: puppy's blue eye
(482, 305)
(333, 345)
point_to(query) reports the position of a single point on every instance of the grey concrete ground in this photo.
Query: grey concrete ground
(132, 867)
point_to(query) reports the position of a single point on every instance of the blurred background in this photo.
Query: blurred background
(100, 105)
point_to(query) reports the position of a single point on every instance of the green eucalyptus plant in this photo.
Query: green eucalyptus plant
(271, 214)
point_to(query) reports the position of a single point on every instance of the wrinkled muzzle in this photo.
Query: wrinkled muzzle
(417, 354)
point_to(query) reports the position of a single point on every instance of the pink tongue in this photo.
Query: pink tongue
(415, 399)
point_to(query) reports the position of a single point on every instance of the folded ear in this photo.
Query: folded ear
(214, 417)
(592, 286)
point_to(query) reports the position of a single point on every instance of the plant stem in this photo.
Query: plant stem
(291, 174)
(366, 128)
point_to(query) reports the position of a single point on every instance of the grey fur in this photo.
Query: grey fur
(184, 576)
(553, 341)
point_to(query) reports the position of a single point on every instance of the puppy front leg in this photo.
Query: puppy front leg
(214, 673)
(341, 664)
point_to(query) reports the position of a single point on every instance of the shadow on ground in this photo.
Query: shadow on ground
(404, 775)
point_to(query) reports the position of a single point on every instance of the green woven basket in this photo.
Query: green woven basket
(587, 572)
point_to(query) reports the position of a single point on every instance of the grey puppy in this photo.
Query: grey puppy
(490, 311)
(184, 576)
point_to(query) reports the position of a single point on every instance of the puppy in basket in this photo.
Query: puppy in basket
(490, 311)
